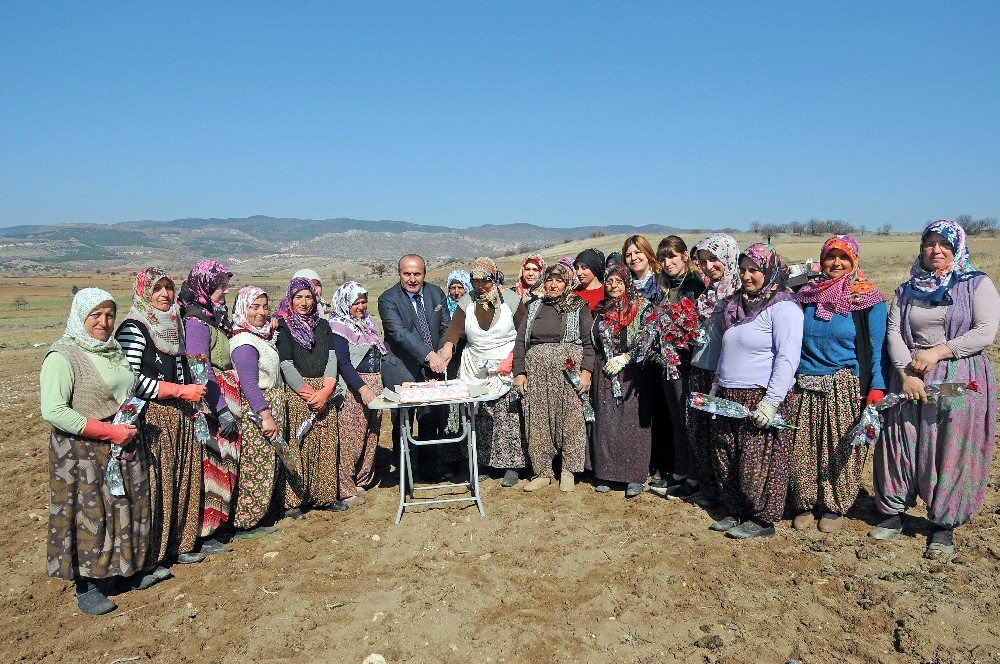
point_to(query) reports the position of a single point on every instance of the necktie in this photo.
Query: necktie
(425, 328)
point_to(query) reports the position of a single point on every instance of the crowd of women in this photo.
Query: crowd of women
(252, 417)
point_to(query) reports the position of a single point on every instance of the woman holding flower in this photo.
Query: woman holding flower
(840, 371)
(261, 392)
(553, 361)
(760, 353)
(940, 324)
(152, 339)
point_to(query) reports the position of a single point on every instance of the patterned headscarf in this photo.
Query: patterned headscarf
(321, 305)
(726, 249)
(742, 307)
(301, 327)
(462, 277)
(359, 331)
(619, 311)
(851, 292)
(164, 327)
(486, 269)
(568, 262)
(522, 287)
(245, 298)
(931, 285)
(84, 302)
(567, 301)
(195, 297)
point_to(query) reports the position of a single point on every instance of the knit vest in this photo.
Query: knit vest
(267, 358)
(91, 397)
(958, 318)
(571, 324)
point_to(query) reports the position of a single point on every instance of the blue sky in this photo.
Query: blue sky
(688, 114)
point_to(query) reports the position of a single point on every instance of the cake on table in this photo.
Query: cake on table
(433, 390)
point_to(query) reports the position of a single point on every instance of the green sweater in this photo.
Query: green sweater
(56, 383)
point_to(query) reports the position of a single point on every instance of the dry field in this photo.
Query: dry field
(545, 577)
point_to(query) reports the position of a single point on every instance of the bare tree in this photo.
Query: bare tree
(985, 225)
(20, 303)
(379, 269)
(884, 229)
(796, 227)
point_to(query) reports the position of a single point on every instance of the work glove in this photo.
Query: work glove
(616, 364)
(874, 397)
(116, 434)
(193, 393)
(763, 414)
(227, 424)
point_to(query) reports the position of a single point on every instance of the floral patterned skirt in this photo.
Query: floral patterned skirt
(317, 454)
(259, 464)
(553, 413)
(499, 440)
(359, 430)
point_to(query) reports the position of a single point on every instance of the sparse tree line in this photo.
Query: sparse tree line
(825, 227)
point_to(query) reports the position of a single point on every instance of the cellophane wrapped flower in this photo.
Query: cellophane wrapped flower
(726, 408)
(572, 374)
(288, 454)
(198, 365)
(869, 426)
(129, 413)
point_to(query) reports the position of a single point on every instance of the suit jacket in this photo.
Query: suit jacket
(406, 359)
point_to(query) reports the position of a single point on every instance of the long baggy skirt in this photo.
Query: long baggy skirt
(553, 411)
(93, 534)
(359, 430)
(259, 463)
(175, 478)
(620, 444)
(317, 454)
(499, 439)
(700, 434)
(752, 464)
(941, 450)
(826, 468)
(220, 468)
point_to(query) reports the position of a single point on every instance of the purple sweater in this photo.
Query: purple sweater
(764, 352)
(198, 341)
(246, 360)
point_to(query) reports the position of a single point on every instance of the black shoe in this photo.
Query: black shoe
(660, 487)
(633, 489)
(703, 500)
(212, 545)
(942, 540)
(510, 478)
(749, 529)
(294, 513)
(94, 602)
(190, 558)
(684, 490)
(724, 524)
(889, 527)
(150, 578)
(335, 506)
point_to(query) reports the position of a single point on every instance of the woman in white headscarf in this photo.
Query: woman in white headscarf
(322, 306)
(93, 535)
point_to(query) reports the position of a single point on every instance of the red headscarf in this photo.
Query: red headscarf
(851, 292)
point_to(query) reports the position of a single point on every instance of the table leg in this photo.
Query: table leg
(474, 460)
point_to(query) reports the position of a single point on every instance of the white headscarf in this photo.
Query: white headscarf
(84, 302)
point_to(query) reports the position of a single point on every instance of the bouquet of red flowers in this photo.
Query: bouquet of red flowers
(670, 327)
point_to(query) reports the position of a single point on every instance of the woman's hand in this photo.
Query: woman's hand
(521, 383)
(267, 424)
(192, 393)
(925, 360)
(584, 382)
(367, 394)
(913, 387)
(446, 352)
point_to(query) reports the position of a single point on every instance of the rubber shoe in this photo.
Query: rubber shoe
(681, 491)
(211, 546)
(510, 478)
(749, 529)
(831, 523)
(537, 483)
(889, 527)
(95, 603)
(804, 521)
(634, 489)
(151, 578)
(335, 506)
(190, 558)
(941, 541)
(724, 524)
(602, 488)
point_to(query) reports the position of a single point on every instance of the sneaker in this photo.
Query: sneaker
(749, 529)
(567, 482)
(537, 483)
(633, 489)
(724, 524)
(804, 521)
(510, 478)
(830, 522)
(94, 602)
(889, 527)
(942, 540)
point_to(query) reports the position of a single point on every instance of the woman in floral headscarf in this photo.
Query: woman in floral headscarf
(840, 371)
(93, 535)
(718, 257)
(940, 325)
(309, 367)
(153, 341)
(620, 439)
(760, 353)
(360, 349)
(207, 328)
(261, 392)
(529, 282)
(554, 342)
(487, 320)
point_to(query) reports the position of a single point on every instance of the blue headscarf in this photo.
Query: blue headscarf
(926, 284)
(462, 277)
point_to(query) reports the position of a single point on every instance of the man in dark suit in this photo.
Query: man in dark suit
(414, 316)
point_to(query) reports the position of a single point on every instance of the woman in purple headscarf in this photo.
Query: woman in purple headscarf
(940, 325)
(309, 367)
(839, 373)
(760, 353)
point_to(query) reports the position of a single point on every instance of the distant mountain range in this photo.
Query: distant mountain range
(271, 240)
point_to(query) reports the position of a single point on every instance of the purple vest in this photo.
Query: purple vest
(958, 319)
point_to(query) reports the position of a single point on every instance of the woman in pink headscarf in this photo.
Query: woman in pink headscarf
(841, 364)
(529, 283)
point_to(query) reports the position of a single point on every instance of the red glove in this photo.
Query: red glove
(874, 397)
(329, 385)
(193, 393)
(506, 366)
(116, 434)
(306, 392)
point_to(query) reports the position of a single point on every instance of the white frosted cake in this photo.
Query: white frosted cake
(433, 390)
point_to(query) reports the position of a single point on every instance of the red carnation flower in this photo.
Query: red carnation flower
(973, 385)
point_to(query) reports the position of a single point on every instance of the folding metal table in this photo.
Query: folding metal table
(466, 434)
